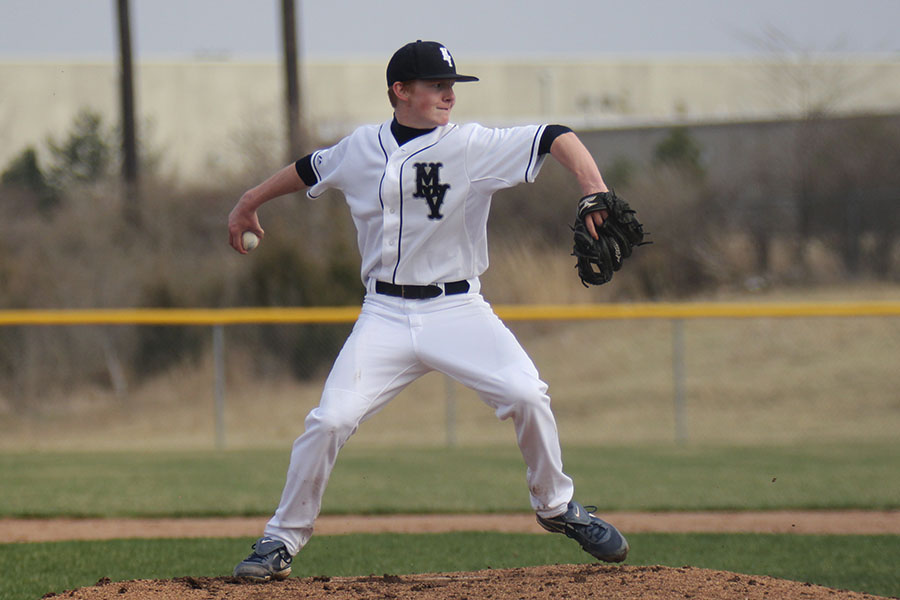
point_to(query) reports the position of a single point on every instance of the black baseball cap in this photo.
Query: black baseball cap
(423, 60)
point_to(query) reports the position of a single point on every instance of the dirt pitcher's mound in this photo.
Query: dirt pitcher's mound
(535, 583)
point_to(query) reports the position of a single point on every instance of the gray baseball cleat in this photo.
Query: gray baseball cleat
(597, 537)
(269, 560)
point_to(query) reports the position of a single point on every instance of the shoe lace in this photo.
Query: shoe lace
(593, 531)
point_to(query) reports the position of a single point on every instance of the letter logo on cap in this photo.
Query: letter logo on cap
(446, 54)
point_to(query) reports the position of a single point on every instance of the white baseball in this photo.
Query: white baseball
(249, 240)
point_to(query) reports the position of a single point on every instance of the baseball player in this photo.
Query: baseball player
(419, 189)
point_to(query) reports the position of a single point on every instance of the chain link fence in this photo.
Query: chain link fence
(618, 374)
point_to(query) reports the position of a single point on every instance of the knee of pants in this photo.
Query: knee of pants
(521, 393)
(331, 423)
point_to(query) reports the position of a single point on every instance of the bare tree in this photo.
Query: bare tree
(814, 90)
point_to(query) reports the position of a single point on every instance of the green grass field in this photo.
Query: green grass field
(485, 479)
(366, 480)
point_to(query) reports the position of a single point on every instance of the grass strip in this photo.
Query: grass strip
(859, 563)
(435, 480)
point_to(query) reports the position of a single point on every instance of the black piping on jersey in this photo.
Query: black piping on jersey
(312, 164)
(534, 143)
(384, 171)
(403, 164)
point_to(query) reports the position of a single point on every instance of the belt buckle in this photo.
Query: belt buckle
(411, 292)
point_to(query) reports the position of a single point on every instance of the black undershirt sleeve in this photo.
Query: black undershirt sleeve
(305, 170)
(551, 132)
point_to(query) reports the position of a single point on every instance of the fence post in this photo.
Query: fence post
(450, 411)
(678, 380)
(219, 383)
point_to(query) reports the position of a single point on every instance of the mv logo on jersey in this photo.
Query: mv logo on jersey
(429, 187)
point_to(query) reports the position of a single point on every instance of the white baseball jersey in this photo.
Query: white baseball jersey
(421, 209)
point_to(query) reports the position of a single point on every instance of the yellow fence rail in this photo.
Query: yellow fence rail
(555, 312)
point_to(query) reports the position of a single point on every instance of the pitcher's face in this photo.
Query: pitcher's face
(429, 103)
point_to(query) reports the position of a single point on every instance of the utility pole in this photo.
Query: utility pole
(292, 79)
(129, 128)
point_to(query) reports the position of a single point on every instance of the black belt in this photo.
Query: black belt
(421, 292)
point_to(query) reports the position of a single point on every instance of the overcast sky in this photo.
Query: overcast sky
(249, 29)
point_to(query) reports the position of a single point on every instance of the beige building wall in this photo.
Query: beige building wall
(206, 117)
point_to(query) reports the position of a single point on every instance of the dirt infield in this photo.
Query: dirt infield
(800, 522)
(535, 583)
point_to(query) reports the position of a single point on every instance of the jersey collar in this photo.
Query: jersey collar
(403, 134)
(418, 142)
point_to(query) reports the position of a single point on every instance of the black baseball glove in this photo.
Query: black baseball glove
(597, 260)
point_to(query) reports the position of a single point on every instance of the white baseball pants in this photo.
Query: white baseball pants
(394, 342)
